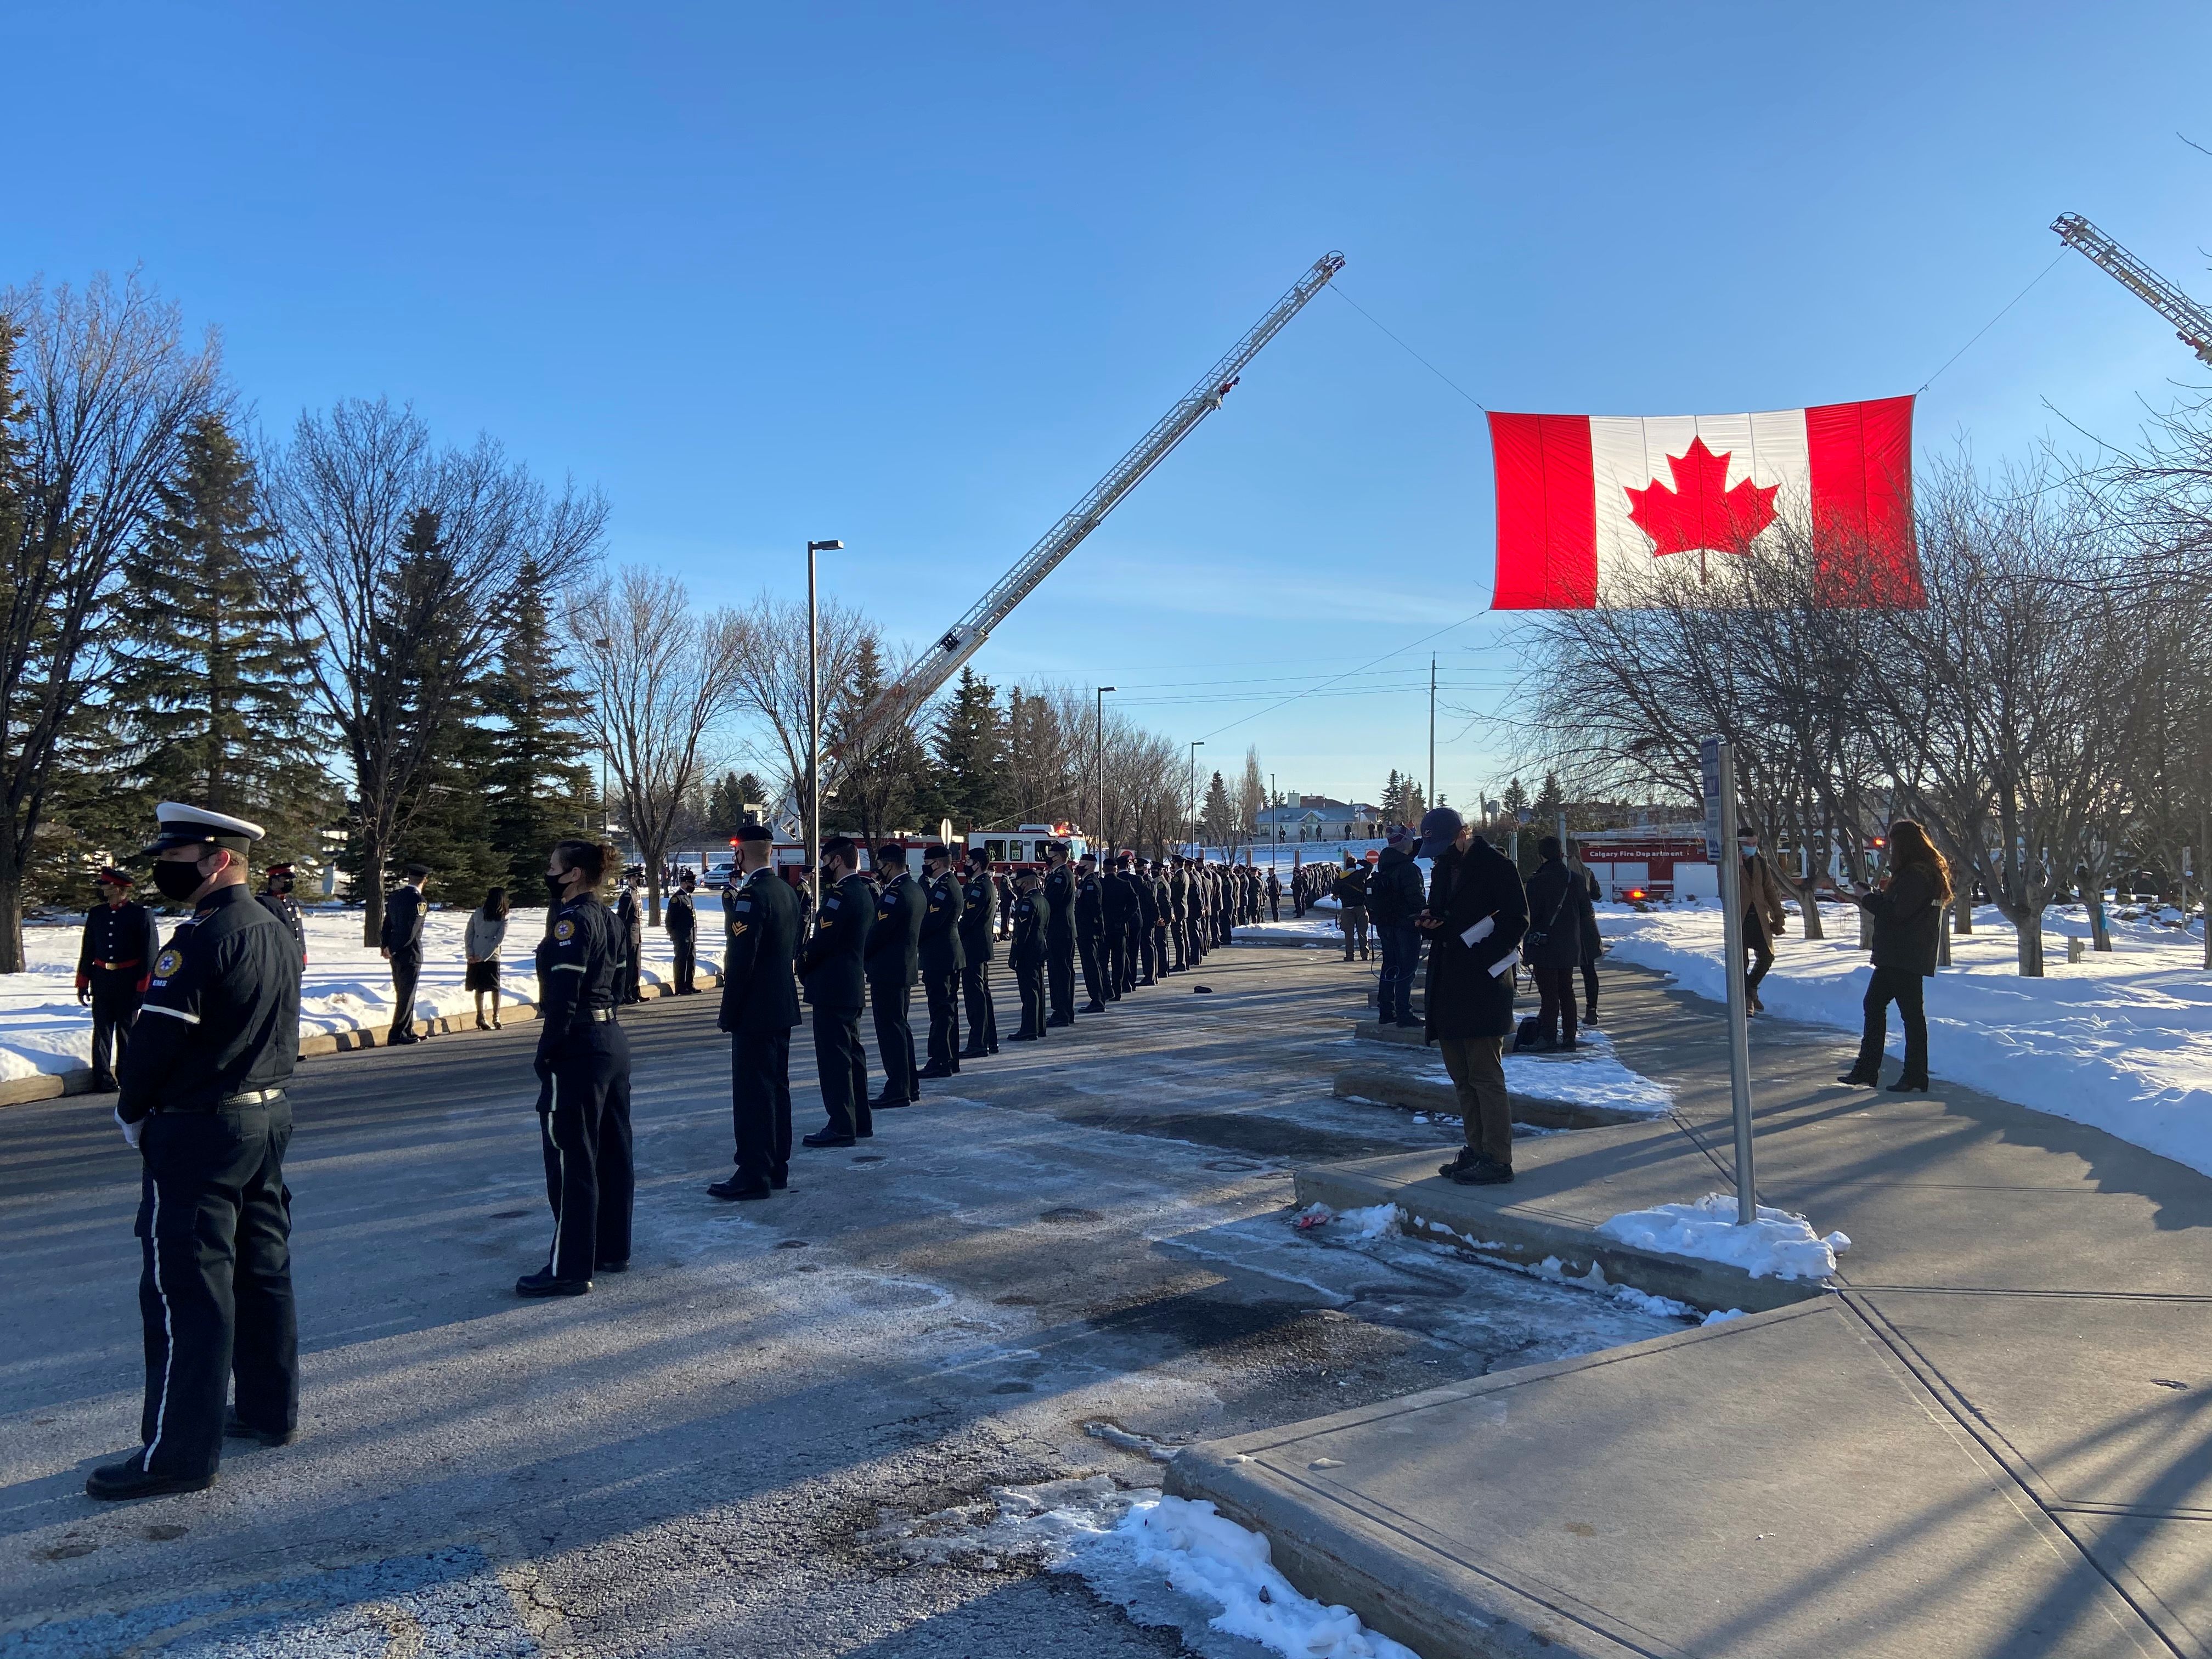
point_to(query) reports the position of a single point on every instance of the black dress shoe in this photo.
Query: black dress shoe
(779, 1182)
(236, 1428)
(992, 1049)
(885, 1103)
(1060, 1019)
(621, 1266)
(1856, 1078)
(128, 1478)
(935, 1070)
(825, 1138)
(1904, 1084)
(1481, 1172)
(543, 1283)
(406, 1036)
(1092, 1008)
(734, 1188)
(973, 1054)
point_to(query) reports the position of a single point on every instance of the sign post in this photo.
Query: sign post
(1718, 763)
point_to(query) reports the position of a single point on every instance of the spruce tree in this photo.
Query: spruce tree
(886, 781)
(971, 754)
(1218, 818)
(537, 780)
(211, 698)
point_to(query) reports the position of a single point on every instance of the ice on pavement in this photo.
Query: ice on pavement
(1779, 1244)
(2121, 1041)
(1168, 1561)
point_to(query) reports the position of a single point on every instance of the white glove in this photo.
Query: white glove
(131, 1132)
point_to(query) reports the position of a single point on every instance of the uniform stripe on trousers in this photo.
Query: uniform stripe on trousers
(560, 1164)
(168, 1331)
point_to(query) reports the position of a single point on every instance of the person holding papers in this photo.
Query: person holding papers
(1476, 916)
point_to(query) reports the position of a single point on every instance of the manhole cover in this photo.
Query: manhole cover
(1069, 1213)
(1229, 1163)
(793, 1244)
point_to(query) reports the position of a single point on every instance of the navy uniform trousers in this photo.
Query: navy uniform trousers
(583, 1119)
(760, 1103)
(214, 1286)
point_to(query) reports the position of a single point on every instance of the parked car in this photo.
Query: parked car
(720, 875)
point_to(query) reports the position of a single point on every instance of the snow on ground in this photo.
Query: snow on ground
(1780, 1244)
(1314, 925)
(1168, 1561)
(348, 984)
(2121, 1041)
(1590, 1076)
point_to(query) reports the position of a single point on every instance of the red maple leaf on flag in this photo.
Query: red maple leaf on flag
(1697, 515)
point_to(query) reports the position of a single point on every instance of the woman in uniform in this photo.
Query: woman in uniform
(583, 1072)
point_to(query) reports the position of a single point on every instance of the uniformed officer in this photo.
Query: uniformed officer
(275, 897)
(114, 962)
(1057, 893)
(1274, 895)
(1178, 912)
(942, 956)
(760, 1005)
(1026, 954)
(202, 1100)
(1152, 900)
(583, 1072)
(402, 943)
(1121, 925)
(979, 926)
(894, 963)
(830, 971)
(629, 922)
(1090, 931)
(681, 919)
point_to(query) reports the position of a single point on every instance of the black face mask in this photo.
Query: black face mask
(558, 885)
(177, 880)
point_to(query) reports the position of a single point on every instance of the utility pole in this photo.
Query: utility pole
(1098, 763)
(1717, 759)
(1197, 743)
(1432, 729)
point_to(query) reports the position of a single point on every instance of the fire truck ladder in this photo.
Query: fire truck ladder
(2192, 324)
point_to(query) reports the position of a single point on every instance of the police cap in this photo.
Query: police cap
(119, 877)
(183, 825)
(755, 832)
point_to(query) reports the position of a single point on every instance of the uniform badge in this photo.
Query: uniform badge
(742, 905)
(564, 930)
(168, 963)
(737, 927)
(829, 903)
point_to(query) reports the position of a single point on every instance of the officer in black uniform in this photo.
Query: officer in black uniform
(1274, 895)
(403, 949)
(1090, 931)
(275, 897)
(1057, 897)
(1026, 954)
(681, 919)
(978, 926)
(760, 1005)
(1147, 934)
(583, 1072)
(630, 921)
(830, 970)
(1178, 931)
(894, 963)
(114, 962)
(1121, 936)
(203, 1101)
(943, 955)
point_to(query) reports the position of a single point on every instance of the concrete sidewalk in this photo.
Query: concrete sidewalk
(1995, 1438)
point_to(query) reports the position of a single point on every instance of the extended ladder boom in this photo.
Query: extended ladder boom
(961, 641)
(2192, 325)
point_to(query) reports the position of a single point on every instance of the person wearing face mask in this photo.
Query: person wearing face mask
(202, 1102)
(114, 962)
(583, 1072)
(1762, 917)
(275, 897)
(403, 949)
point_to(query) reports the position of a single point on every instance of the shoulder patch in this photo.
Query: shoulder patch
(564, 930)
(168, 963)
(741, 905)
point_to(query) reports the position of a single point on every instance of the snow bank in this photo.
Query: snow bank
(348, 985)
(2121, 1041)
(1780, 1244)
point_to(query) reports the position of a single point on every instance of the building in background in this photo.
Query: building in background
(1317, 818)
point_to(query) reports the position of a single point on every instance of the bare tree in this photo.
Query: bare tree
(107, 388)
(661, 676)
(405, 555)
(769, 668)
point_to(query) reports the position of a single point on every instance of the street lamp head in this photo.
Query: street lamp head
(1104, 689)
(825, 547)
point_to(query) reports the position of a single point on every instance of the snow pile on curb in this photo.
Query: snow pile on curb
(1168, 1561)
(1780, 1244)
(2121, 1041)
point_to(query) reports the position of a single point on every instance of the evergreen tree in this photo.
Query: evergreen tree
(1217, 818)
(212, 697)
(886, 783)
(971, 754)
(725, 803)
(538, 777)
(1550, 798)
(1515, 800)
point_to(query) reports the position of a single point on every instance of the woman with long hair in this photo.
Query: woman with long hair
(1908, 923)
(487, 931)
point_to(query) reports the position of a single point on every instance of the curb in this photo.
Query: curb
(48, 1086)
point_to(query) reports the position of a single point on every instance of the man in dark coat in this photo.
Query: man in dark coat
(943, 954)
(1058, 897)
(629, 923)
(681, 919)
(894, 963)
(1474, 921)
(1090, 931)
(1120, 885)
(1178, 911)
(402, 943)
(831, 973)
(113, 961)
(1274, 895)
(759, 1006)
(1559, 905)
(275, 897)
(978, 926)
(1394, 899)
(1593, 946)
(1026, 954)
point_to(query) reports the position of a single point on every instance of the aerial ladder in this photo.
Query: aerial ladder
(2192, 324)
(943, 658)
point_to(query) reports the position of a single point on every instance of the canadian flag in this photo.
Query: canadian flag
(1591, 506)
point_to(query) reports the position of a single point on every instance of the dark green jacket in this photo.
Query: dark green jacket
(759, 993)
(830, 968)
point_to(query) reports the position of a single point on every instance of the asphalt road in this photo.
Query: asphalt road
(1085, 1236)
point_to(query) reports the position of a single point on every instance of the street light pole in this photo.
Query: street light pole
(814, 723)
(1197, 743)
(1098, 759)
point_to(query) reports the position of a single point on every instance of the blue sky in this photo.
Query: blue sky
(915, 276)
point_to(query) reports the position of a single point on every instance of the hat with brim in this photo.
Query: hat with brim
(198, 826)
(117, 878)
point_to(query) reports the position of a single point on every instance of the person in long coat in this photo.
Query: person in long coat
(1474, 921)
(1908, 924)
